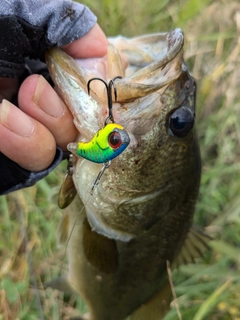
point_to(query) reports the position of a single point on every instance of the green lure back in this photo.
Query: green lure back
(106, 145)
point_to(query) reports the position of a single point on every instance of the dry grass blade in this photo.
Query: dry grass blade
(175, 301)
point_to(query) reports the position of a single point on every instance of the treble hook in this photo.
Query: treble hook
(100, 174)
(110, 117)
(109, 94)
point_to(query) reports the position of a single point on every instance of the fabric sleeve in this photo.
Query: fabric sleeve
(13, 177)
(29, 27)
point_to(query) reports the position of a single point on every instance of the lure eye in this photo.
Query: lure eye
(180, 122)
(114, 140)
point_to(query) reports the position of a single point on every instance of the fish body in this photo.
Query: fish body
(120, 238)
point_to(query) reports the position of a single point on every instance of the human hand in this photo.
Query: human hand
(29, 135)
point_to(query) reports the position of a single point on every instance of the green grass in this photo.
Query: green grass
(208, 290)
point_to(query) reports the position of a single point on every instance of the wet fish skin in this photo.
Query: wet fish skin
(140, 216)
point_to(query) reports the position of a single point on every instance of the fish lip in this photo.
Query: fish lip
(177, 36)
(165, 67)
(71, 82)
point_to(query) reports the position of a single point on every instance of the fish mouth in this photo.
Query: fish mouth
(153, 62)
(149, 70)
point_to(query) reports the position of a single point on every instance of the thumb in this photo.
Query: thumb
(93, 44)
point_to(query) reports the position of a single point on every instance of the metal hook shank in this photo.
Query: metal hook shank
(112, 83)
(101, 172)
(109, 94)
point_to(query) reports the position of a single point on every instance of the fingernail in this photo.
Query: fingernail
(47, 99)
(15, 120)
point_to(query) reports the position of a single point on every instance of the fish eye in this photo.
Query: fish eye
(115, 140)
(180, 122)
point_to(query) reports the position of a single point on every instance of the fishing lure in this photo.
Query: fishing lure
(109, 141)
(106, 144)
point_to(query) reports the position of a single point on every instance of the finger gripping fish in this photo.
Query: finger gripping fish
(107, 144)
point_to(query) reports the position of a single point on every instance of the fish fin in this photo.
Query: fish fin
(62, 284)
(194, 246)
(156, 308)
(63, 229)
(100, 251)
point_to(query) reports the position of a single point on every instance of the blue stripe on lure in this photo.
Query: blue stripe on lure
(106, 144)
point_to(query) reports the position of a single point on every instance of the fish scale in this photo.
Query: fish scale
(140, 215)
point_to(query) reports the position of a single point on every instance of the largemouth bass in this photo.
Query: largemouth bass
(120, 238)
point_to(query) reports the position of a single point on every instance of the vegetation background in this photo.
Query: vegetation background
(28, 220)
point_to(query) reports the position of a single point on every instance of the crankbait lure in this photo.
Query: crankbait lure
(109, 141)
(106, 145)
